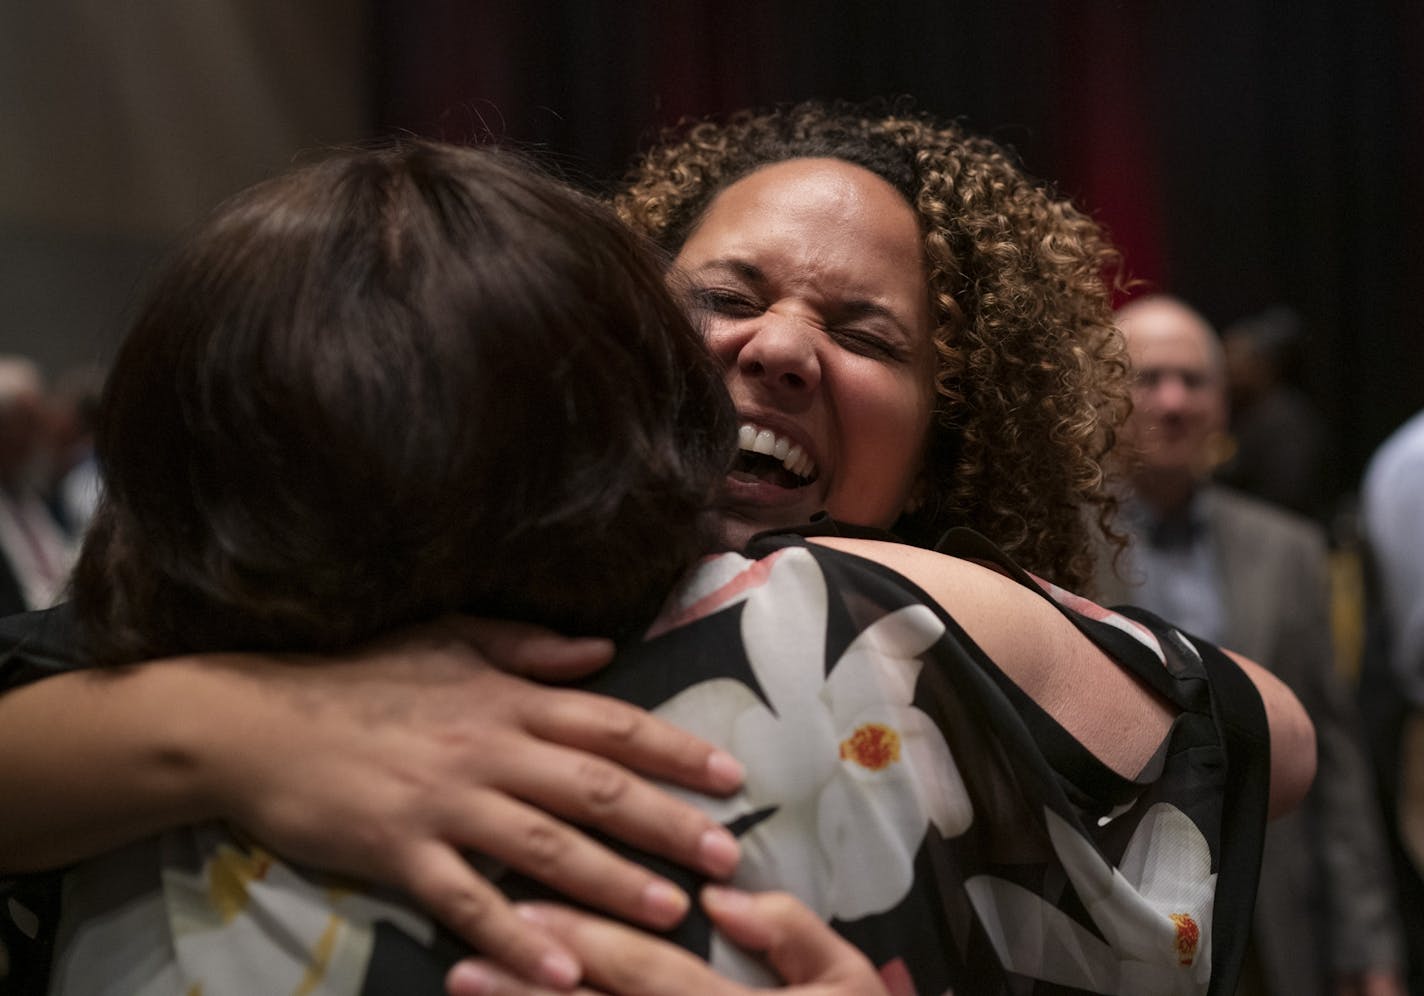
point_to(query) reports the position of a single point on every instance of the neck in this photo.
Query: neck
(1166, 493)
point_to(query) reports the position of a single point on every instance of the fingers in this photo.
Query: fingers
(800, 946)
(533, 651)
(593, 792)
(529, 841)
(623, 961)
(444, 883)
(603, 726)
(481, 977)
(558, 754)
(632, 737)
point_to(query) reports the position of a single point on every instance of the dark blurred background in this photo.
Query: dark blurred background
(1244, 154)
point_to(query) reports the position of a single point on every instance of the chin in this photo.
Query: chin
(738, 529)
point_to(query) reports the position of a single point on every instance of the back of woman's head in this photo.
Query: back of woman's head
(393, 384)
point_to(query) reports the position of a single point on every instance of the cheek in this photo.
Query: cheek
(883, 451)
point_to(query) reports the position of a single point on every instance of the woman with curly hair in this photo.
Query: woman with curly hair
(913, 336)
(1029, 374)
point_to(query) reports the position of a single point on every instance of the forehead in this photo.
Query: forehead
(823, 210)
(1163, 336)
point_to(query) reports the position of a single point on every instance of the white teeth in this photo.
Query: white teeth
(792, 456)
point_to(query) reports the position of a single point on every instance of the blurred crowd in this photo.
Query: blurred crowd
(49, 483)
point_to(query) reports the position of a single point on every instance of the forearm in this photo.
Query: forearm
(98, 758)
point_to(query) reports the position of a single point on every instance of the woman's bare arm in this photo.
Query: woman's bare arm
(384, 766)
(1292, 738)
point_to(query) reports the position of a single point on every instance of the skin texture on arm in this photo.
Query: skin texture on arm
(415, 749)
(116, 775)
(1100, 704)
(1292, 738)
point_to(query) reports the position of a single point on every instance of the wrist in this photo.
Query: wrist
(187, 731)
(133, 759)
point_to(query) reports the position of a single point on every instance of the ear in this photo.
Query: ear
(1219, 447)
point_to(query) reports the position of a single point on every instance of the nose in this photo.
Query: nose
(1172, 394)
(1162, 393)
(780, 352)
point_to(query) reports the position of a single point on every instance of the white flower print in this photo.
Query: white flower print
(849, 773)
(1155, 911)
(246, 922)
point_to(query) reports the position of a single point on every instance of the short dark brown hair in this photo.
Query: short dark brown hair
(396, 383)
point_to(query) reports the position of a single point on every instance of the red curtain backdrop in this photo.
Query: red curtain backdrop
(1242, 153)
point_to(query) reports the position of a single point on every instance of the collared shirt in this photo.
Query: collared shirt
(36, 548)
(1174, 569)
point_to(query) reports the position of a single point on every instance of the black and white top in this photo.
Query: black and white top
(898, 783)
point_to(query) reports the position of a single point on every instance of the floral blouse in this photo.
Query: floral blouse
(898, 783)
(907, 791)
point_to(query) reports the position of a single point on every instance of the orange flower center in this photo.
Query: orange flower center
(873, 745)
(1188, 937)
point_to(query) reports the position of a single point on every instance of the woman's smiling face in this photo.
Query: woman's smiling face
(808, 278)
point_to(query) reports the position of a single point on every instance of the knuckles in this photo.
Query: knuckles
(618, 725)
(602, 784)
(544, 846)
(468, 911)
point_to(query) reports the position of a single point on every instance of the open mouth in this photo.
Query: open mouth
(772, 458)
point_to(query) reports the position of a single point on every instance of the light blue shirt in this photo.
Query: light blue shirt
(1174, 569)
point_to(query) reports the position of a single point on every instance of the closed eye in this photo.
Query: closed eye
(867, 343)
(721, 301)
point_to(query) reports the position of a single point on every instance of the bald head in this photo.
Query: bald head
(1161, 317)
(1178, 396)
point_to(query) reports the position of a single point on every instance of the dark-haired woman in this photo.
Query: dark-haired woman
(334, 417)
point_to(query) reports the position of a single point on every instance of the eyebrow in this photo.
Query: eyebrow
(854, 309)
(860, 308)
(740, 267)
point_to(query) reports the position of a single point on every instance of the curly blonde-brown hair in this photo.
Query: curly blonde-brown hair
(1031, 375)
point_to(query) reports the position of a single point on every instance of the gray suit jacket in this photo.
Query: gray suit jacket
(1325, 903)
